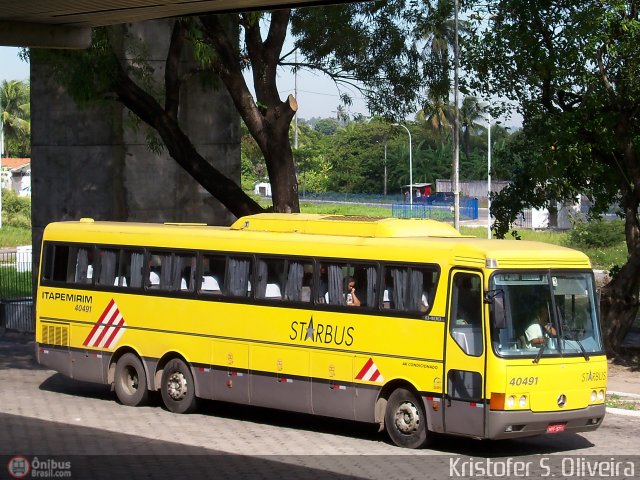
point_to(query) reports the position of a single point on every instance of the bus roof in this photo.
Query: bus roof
(414, 240)
(345, 225)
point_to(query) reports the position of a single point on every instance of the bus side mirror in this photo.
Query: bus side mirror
(499, 315)
(495, 298)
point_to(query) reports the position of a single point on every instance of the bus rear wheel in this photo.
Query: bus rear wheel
(405, 419)
(130, 381)
(178, 389)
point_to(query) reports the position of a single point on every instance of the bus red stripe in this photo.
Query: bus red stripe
(99, 322)
(109, 321)
(116, 329)
(365, 369)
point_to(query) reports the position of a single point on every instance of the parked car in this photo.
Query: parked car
(439, 198)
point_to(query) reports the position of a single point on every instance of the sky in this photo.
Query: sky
(317, 95)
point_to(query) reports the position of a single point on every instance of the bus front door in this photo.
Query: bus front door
(464, 365)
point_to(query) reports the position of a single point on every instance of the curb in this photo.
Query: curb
(622, 411)
(623, 394)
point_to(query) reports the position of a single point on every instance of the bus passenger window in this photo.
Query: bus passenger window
(269, 275)
(348, 284)
(131, 269)
(57, 264)
(172, 272)
(409, 289)
(299, 276)
(83, 266)
(108, 263)
(213, 270)
(238, 283)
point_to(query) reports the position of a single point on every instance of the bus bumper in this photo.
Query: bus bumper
(501, 424)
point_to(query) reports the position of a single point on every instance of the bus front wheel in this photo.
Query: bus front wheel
(178, 388)
(405, 419)
(131, 381)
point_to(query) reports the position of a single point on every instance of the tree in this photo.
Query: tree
(15, 112)
(358, 44)
(470, 113)
(572, 68)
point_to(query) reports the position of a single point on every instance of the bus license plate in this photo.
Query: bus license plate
(555, 428)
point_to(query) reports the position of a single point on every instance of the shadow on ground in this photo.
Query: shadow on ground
(442, 444)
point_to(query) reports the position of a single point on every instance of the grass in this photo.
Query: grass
(615, 401)
(13, 236)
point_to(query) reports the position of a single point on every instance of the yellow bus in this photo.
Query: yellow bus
(400, 322)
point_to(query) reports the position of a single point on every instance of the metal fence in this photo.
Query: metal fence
(437, 211)
(16, 291)
(363, 198)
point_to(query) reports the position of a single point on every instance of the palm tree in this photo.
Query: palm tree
(437, 114)
(470, 113)
(15, 110)
(438, 30)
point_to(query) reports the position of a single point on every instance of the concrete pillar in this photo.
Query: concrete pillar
(95, 163)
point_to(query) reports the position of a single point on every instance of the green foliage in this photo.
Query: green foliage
(596, 234)
(16, 211)
(15, 113)
(326, 126)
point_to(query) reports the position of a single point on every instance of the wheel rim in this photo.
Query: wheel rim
(130, 380)
(407, 418)
(177, 386)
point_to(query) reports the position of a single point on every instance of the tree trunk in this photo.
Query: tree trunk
(181, 149)
(619, 305)
(619, 298)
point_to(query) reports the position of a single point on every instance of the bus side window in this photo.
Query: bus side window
(269, 275)
(299, 276)
(213, 274)
(131, 269)
(171, 271)
(107, 267)
(409, 289)
(238, 277)
(56, 263)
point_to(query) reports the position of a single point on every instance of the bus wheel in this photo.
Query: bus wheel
(405, 419)
(131, 381)
(178, 389)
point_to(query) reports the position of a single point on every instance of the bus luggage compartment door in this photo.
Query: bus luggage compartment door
(464, 407)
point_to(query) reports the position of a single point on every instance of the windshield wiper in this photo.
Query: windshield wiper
(575, 339)
(540, 352)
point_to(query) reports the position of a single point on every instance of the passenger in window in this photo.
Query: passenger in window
(352, 297)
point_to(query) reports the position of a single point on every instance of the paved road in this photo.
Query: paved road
(43, 413)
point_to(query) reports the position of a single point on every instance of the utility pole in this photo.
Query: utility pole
(456, 129)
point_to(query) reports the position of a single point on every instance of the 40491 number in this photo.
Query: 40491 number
(518, 381)
(83, 308)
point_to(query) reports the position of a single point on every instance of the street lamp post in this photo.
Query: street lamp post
(489, 175)
(410, 167)
(385, 166)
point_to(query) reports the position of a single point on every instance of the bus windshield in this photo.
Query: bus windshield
(545, 314)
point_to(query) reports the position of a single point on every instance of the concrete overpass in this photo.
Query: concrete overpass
(67, 23)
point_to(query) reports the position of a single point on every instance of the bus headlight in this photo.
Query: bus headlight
(511, 401)
(601, 395)
(594, 396)
(523, 401)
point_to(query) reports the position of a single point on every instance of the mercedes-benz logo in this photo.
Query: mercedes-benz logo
(562, 400)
